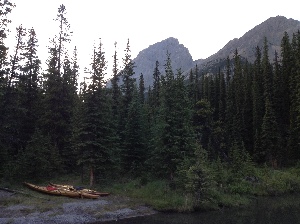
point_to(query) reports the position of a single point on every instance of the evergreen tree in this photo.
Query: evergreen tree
(204, 122)
(294, 85)
(13, 112)
(285, 102)
(222, 97)
(269, 136)
(29, 88)
(239, 99)
(128, 80)
(116, 92)
(63, 36)
(258, 102)
(197, 176)
(154, 95)
(5, 9)
(142, 89)
(60, 93)
(127, 89)
(173, 134)
(156, 85)
(97, 136)
(52, 122)
(135, 153)
(248, 110)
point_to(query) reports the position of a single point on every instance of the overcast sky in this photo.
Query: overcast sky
(203, 27)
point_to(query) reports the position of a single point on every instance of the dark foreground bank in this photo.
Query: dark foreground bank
(275, 210)
(40, 208)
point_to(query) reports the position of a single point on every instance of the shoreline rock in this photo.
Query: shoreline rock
(70, 211)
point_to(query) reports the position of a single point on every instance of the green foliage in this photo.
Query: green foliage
(277, 182)
(157, 194)
(197, 177)
(39, 161)
(241, 164)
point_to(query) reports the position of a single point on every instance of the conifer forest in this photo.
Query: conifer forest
(185, 128)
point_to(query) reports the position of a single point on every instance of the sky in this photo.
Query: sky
(204, 27)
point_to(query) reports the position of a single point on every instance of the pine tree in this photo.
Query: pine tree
(116, 92)
(156, 85)
(97, 136)
(128, 81)
(127, 89)
(197, 176)
(222, 97)
(173, 133)
(63, 36)
(154, 96)
(52, 122)
(135, 151)
(248, 103)
(142, 89)
(239, 98)
(258, 102)
(285, 102)
(13, 112)
(294, 85)
(269, 134)
(29, 88)
(5, 9)
(204, 122)
(60, 92)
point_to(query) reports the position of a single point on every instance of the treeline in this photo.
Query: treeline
(172, 130)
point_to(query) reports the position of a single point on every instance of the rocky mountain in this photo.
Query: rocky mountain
(146, 59)
(273, 28)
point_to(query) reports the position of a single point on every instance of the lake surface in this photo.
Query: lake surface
(275, 210)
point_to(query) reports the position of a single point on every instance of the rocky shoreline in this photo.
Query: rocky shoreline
(62, 210)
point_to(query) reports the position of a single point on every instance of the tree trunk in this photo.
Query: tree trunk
(91, 176)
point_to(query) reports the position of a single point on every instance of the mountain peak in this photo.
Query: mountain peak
(146, 59)
(273, 29)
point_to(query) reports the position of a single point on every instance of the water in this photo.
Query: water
(276, 210)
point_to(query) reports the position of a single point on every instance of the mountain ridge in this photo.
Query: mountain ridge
(273, 29)
(146, 59)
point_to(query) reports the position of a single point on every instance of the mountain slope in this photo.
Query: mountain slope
(273, 28)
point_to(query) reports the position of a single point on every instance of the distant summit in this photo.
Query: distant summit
(273, 28)
(146, 59)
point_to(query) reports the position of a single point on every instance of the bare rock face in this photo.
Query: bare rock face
(273, 29)
(146, 59)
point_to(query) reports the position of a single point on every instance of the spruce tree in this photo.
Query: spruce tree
(285, 102)
(258, 102)
(127, 89)
(239, 99)
(173, 133)
(128, 80)
(135, 151)
(60, 92)
(142, 89)
(97, 134)
(269, 136)
(294, 85)
(116, 92)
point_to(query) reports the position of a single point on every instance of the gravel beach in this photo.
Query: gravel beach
(20, 209)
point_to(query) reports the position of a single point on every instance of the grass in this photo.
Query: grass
(156, 194)
(231, 191)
